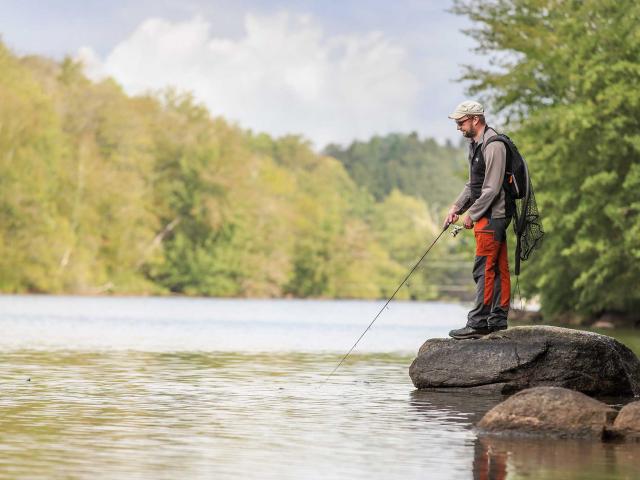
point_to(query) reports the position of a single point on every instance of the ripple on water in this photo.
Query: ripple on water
(159, 414)
(265, 415)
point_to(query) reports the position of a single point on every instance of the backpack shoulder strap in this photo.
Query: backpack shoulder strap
(506, 141)
(499, 137)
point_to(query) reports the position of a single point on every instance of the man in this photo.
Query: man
(488, 213)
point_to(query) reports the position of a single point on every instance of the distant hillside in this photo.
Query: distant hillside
(421, 168)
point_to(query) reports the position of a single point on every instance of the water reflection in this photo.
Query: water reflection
(544, 459)
(497, 458)
(464, 407)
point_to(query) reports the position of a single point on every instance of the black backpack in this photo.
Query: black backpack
(516, 178)
(521, 202)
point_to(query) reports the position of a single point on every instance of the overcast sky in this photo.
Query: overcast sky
(332, 71)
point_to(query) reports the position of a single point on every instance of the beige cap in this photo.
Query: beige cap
(468, 107)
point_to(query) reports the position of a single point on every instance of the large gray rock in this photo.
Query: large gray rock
(524, 357)
(549, 411)
(627, 422)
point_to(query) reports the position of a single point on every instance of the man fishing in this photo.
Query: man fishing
(489, 214)
(489, 210)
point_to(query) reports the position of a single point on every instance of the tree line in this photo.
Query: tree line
(101, 192)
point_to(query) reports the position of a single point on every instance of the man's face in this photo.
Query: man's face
(468, 126)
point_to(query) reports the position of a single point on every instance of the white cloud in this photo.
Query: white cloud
(283, 75)
(93, 66)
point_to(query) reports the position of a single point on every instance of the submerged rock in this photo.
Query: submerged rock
(627, 422)
(549, 411)
(524, 357)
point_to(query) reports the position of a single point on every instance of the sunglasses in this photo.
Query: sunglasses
(462, 121)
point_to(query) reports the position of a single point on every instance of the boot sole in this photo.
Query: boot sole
(472, 336)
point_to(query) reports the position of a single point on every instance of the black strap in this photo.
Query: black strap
(499, 137)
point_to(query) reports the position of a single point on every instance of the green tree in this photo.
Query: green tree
(405, 228)
(198, 164)
(108, 200)
(33, 230)
(565, 76)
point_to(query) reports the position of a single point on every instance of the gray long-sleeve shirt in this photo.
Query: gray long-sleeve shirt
(492, 195)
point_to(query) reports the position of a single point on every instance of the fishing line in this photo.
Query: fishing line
(391, 298)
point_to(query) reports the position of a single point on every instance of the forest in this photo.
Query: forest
(106, 193)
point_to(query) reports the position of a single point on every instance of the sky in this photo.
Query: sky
(331, 71)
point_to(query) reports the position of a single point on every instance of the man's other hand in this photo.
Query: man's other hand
(468, 223)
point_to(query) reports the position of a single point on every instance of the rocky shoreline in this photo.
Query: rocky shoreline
(560, 412)
(556, 378)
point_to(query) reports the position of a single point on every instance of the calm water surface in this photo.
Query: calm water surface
(194, 388)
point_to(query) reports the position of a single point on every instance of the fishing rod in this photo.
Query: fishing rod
(453, 233)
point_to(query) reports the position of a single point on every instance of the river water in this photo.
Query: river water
(206, 388)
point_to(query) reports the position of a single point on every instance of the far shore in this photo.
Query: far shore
(530, 315)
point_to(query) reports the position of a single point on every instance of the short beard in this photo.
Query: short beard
(470, 133)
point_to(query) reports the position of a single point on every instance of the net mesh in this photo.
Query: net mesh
(528, 225)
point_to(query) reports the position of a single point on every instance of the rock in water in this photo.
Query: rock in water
(549, 411)
(627, 422)
(524, 357)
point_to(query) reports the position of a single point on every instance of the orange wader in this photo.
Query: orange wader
(491, 274)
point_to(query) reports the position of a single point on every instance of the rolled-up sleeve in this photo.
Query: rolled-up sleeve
(495, 158)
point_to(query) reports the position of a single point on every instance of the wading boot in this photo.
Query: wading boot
(469, 332)
(497, 328)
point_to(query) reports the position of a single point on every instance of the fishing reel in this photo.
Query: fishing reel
(456, 230)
